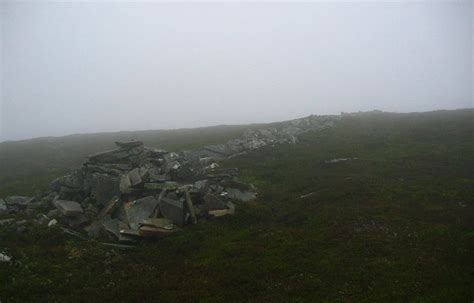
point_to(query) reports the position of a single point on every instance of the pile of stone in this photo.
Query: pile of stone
(134, 191)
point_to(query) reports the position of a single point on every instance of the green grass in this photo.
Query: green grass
(396, 225)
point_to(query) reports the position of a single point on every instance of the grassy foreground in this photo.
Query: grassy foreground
(394, 225)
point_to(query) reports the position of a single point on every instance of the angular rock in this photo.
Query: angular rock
(104, 188)
(76, 221)
(135, 177)
(54, 213)
(125, 184)
(139, 210)
(115, 227)
(144, 172)
(68, 208)
(110, 207)
(173, 210)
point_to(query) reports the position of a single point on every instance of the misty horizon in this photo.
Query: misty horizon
(71, 68)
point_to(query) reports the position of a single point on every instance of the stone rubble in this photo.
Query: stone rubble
(134, 191)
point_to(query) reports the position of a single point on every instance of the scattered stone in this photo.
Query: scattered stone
(112, 226)
(52, 222)
(110, 207)
(104, 188)
(5, 258)
(76, 221)
(172, 210)
(125, 184)
(54, 213)
(134, 176)
(69, 208)
(139, 210)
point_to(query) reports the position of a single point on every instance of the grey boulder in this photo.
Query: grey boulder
(68, 208)
(139, 210)
(173, 210)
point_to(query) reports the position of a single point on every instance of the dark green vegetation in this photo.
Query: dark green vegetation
(395, 225)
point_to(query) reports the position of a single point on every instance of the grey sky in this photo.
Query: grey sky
(89, 67)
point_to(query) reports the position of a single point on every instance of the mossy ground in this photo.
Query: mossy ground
(395, 225)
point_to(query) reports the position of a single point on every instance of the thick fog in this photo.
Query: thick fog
(102, 66)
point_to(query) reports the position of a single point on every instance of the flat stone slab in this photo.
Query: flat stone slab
(69, 208)
(139, 210)
(114, 227)
(173, 210)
